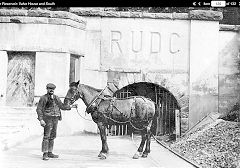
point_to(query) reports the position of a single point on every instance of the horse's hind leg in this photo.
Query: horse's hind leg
(140, 148)
(148, 142)
(103, 153)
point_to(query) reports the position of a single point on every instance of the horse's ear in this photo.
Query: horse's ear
(78, 83)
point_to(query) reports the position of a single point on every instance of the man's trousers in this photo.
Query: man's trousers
(50, 132)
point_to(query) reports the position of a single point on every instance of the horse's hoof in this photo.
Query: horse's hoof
(137, 155)
(144, 155)
(99, 155)
(102, 156)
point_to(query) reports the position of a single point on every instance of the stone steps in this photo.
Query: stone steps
(9, 130)
(9, 123)
(16, 125)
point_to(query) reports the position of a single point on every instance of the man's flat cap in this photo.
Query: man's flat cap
(51, 86)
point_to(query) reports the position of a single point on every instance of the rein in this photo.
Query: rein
(95, 99)
(81, 115)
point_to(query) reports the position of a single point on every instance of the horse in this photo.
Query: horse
(136, 110)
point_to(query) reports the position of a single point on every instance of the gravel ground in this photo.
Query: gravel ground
(215, 145)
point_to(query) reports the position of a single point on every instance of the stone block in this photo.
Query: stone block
(39, 13)
(228, 27)
(125, 14)
(205, 15)
(67, 15)
(13, 12)
(148, 15)
(184, 101)
(184, 125)
(163, 16)
(111, 14)
(136, 14)
(4, 19)
(185, 112)
(35, 20)
(182, 16)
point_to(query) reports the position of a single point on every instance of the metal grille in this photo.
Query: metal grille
(167, 104)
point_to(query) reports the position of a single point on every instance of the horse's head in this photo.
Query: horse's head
(73, 93)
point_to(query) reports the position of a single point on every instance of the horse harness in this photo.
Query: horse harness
(94, 106)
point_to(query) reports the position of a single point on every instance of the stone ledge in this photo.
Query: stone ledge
(42, 17)
(224, 27)
(192, 15)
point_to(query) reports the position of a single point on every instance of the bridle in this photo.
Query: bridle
(75, 96)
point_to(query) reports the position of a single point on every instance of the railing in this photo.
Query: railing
(117, 130)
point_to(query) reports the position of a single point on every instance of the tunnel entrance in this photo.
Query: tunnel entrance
(166, 104)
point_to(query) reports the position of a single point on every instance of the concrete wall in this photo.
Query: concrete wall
(203, 70)
(3, 77)
(171, 50)
(183, 52)
(41, 37)
(210, 83)
(155, 52)
(229, 80)
(53, 35)
(52, 68)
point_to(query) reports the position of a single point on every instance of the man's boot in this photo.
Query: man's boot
(51, 155)
(45, 156)
(50, 149)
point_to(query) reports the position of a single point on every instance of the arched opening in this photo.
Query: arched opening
(166, 104)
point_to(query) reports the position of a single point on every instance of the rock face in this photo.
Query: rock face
(213, 145)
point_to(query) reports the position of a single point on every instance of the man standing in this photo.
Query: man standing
(48, 111)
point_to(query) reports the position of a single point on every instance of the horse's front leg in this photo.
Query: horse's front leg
(103, 153)
(140, 148)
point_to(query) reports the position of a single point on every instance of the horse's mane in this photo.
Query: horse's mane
(92, 88)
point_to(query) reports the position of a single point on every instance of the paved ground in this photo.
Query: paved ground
(81, 151)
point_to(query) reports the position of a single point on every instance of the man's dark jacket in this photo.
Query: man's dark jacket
(48, 107)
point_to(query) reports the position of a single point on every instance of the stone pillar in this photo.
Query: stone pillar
(3, 76)
(203, 67)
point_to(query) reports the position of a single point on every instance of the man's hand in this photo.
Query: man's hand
(42, 123)
(74, 106)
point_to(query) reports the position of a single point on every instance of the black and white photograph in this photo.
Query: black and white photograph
(119, 87)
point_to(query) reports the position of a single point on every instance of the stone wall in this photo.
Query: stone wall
(229, 79)
(183, 52)
(53, 36)
(203, 70)
(42, 30)
(156, 48)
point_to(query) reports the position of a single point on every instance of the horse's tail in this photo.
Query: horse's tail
(154, 120)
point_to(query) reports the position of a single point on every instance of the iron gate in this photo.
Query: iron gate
(166, 105)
